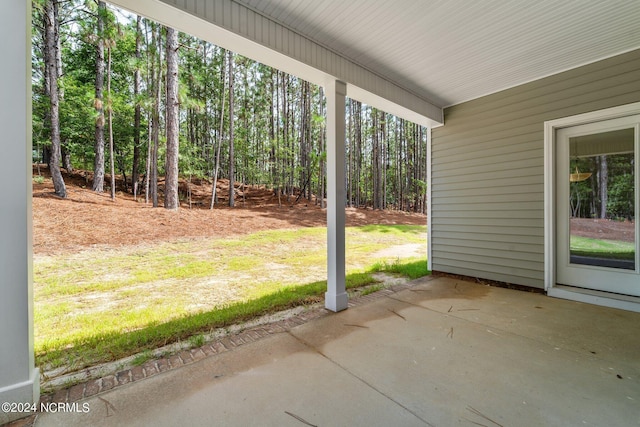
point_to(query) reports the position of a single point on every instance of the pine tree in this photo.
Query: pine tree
(171, 200)
(137, 82)
(51, 34)
(232, 176)
(98, 168)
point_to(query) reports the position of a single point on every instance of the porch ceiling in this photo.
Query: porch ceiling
(455, 50)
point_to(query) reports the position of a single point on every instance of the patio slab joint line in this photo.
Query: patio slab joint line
(362, 380)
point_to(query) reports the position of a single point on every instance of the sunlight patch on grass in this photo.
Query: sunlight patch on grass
(97, 306)
(412, 268)
(415, 230)
(612, 249)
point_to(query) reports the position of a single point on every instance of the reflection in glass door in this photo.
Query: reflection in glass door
(601, 199)
(597, 189)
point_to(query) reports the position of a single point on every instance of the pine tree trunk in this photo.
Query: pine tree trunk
(374, 158)
(383, 144)
(323, 139)
(351, 160)
(155, 133)
(171, 200)
(51, 27)
(135, 176)
(285, 139)
(396, 160)
(66, 154)
(309, 124)
(400, 166)
(232, 175)
(603, 178)
(220, 137)
(66, 159)
(98, 166)
(358, 123)
(150, 82)
(147, 169)
(274, 130)
(110, 114)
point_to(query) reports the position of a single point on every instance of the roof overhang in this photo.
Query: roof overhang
(411, 58)
(232, 26)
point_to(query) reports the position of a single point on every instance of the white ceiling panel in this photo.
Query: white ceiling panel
(450, 51)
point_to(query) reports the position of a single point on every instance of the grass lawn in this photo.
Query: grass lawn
(101, 305)
(610, 249)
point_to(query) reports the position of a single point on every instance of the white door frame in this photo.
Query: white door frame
(550, 128)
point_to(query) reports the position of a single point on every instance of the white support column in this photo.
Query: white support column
(19, 379)
(336, 297)
(429, 233)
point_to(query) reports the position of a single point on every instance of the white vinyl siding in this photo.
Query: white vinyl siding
(487, 182)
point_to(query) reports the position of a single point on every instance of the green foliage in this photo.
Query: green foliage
(109, 346)
(279, 134)
(197, 340)
(586, 198)
(621, 196)
(415, 231)
(412, 269)
(421, 186)
(621, 187)
(127, 300)
(371, 289)
(88, 350)
(143, 357)
(584, 246)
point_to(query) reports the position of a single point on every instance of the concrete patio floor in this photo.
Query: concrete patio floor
(443, 352)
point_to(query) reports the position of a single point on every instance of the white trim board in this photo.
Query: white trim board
(589, 296)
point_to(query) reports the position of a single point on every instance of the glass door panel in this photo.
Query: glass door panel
(602, 199)
(597, 201)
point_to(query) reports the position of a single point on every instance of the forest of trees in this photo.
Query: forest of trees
(150, 103)
(608, 192)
